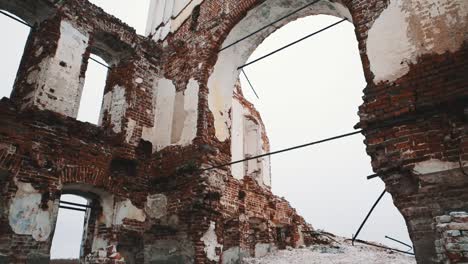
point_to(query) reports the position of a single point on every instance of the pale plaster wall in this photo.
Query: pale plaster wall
(175, 115)
(210, 240)
(164, 93)
(247, 141)
(58, 80)
(184, 125)
(26, 217)
(167, 16)
(115, 104)
(406, 30)
(237, 139)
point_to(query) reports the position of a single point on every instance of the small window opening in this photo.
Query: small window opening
(15, 37)
(69, 229)
(93, 90)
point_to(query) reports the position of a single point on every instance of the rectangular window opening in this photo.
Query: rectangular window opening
(93, 90)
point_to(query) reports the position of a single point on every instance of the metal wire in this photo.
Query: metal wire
(93, 59)
(400, 242)
(73, 208)
(272, 23)
(384, 247)
(367, 216)
(16, 19)
(283, 150)
(292, 43)
(251, 86)
(75, 204)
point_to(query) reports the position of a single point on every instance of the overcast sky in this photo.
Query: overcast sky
(307, 92)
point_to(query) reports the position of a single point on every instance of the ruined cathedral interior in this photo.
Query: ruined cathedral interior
(159, 169)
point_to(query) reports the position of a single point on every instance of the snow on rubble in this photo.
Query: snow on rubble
(341, 252)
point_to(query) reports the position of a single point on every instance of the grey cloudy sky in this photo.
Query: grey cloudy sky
(308, 92)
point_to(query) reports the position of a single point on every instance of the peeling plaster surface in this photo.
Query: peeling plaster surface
(408, 29)
(211, 242)
(246, 141)
(25, 215)
(225, 74)
(167, 16)
(184, 128)
(126, 210)
(163, 103)
(64, 81)
(434, 165)
(131, 125)
(115, 104)
(156, 206)
(237, 139)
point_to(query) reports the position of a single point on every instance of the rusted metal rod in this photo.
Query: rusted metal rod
(284, 150)
(251, 86)
(400, 242)
(72, 208)
(367, 216)
(384, 247)
(75, 204)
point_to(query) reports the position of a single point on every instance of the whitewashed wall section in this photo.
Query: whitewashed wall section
(247, 141)
(175, 115)
(166, 16)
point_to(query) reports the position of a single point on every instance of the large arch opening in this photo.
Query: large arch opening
(12, 50)
(340, 193)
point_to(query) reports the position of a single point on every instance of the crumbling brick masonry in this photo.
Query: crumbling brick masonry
(173, 106)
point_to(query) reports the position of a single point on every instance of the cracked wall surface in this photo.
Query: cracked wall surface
(173, 106)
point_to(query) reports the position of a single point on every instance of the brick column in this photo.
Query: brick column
(51, 73)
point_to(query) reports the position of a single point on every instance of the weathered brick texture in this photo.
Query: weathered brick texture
(173, 106)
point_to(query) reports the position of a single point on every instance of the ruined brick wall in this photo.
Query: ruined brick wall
(452, 242)
(414, 112)
(139, 168)
(173, 108)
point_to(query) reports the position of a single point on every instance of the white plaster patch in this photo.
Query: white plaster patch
(164, 92)
(405, 30)
(186, 115)
(435, 165)
(211, 242)
(115, 104)
(167, 16)
(25, 215)
(131, 125)
(237, 139)
(126, 210)
(62, 73)
(156, 206)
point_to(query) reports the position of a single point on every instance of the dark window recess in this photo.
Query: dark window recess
(123, 167)
(195, 16)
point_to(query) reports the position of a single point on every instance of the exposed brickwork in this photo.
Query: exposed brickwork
(158, 205)
(452, 242)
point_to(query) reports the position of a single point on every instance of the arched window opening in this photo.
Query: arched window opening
(16, 35)
(312, 91)
(70, 227)
(93, 90)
